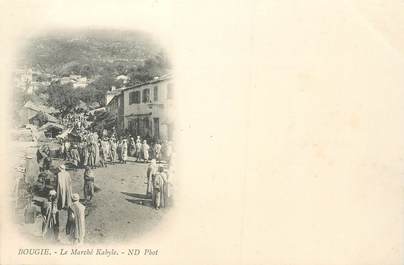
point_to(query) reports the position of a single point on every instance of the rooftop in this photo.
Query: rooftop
(153, 81)
(39, 107)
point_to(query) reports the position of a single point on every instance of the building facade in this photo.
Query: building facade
(115, 106)
(145, 110)
(148, 109)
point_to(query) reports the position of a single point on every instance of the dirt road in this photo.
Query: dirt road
(119, 211)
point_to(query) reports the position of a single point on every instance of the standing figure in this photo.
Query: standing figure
(113, 151)
(76, 225)
(97, 152)
(75, 156)
(107, 149)
(119, 150)
(104, 133)
(103, 157)
(50, 218)
(145, 148)
(88, 184)
(151, 174)
(63, 188)
(138, 150)
(104, 149)
(80, 150)
(158, 189)
(91, 154)
(61, 150)
(86, 154)
(132, 147)
(124, 151)
(157, 152)
(67, 150)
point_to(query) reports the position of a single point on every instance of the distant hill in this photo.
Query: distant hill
(92, 53)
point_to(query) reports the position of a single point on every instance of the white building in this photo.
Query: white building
(147, 109)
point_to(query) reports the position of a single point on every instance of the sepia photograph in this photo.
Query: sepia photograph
(94, 121)
(207, 132)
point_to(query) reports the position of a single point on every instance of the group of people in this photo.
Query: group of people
(88, 152)
(95, 152)
(143, 152)
(83, 153)
(62, 199)
(76, 120)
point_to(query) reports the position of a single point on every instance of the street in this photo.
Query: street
(119, 210)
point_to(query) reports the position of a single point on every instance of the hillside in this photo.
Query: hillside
(98, 57)
(90, 52)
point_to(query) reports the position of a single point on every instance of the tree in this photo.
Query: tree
(120, 69)
(91, 94)
(62, 97)
(104, 82)
(87, 70)
(152, 67)
(104, 120)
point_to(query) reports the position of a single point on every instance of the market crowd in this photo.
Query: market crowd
(90, 150)
(94, 151)
(97, 149)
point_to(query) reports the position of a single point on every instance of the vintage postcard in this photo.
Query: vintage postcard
(203, 132)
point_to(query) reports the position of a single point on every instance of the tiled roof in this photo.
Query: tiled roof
(39, 107)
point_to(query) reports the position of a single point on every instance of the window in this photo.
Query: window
(131, 98)
(137, 97)
(156, 93)
(170, 91)
(134, 97)
(146, 96)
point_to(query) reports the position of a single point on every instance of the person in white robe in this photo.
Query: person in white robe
(76, 226)
(63, 188)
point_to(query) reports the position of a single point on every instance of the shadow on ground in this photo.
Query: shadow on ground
(139, 199)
